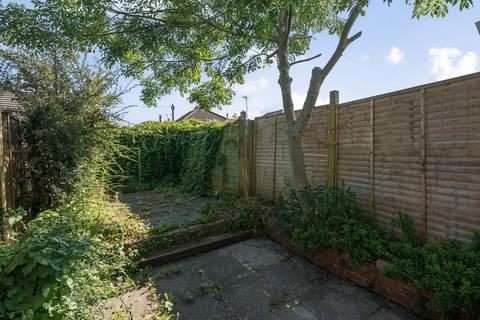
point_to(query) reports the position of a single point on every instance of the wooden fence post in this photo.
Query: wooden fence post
(372, 157)
(423, 156)
(224, 170)
(250, 142)
(241, 138)
(3, 192)
(275, 121)
(332, 140)
(11, 181)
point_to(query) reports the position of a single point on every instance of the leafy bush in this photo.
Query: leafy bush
(242, 213)
(450, 270)
(66, 261)
(66, 111)
(338, 223)
(63, 261)
(173, 153)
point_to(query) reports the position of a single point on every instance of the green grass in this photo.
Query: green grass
(169, 271)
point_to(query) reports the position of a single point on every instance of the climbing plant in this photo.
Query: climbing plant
(179, 154)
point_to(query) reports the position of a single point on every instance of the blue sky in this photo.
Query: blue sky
(394, 52)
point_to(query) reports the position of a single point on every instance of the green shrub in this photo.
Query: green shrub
(66, 110)
(448, 269)
(242, 213)
(338, 223)
(66, 261)
(63, 261)
(178, 154)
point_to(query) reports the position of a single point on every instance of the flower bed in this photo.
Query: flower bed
(368, 275)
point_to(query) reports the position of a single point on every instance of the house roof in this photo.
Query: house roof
(202, 115)
(8, 102)
(272, 113)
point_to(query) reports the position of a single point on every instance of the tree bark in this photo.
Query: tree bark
(296, 128)
(294, 137)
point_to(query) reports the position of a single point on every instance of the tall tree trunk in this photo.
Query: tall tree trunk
(295, 128)
(294, 136)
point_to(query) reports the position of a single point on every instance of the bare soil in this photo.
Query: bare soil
(164, 209)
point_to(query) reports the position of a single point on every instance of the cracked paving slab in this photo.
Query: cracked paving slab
(259, 279)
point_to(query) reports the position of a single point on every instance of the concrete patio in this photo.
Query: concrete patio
(259, 279)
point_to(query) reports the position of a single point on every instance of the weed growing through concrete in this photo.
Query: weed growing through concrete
(188, 297)
(169, 271)
(276, 300)
(216, 291)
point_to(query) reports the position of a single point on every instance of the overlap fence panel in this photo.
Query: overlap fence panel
(226, 176)
(453, 159)
(265, 155)
(415, 151)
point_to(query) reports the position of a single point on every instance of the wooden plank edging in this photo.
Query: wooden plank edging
(190, 249)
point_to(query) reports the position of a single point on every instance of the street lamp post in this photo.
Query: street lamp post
(246, 106)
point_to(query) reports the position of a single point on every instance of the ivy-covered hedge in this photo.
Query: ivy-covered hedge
(181, 154)
(448, 269)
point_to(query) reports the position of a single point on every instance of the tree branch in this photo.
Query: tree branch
(344, 40)
(284, 79)
(319, 74)
(305, 60)
(271, 55)
(289, 22)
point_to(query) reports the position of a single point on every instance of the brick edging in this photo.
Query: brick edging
(368, 275)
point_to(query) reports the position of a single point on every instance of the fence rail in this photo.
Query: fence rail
(415, 151)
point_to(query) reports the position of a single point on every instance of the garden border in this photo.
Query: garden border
(368, 275)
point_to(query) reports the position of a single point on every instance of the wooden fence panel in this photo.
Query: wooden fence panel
(397, 158)
(226, 177)
(264, 155)
(415, 151)
(453, 160)
(315, 146)
(354, 150)
(282, 166)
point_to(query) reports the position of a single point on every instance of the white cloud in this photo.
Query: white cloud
(365, 58)
(449, 62)
(299, 99)
(396, 55)
(253, 85)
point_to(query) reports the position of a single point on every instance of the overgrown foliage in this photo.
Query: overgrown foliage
(236, 214)
(67, 260)
(64, 260)
(337, 223)
(66, 111)
(448, 269)
(180, 154)
(242, 213)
